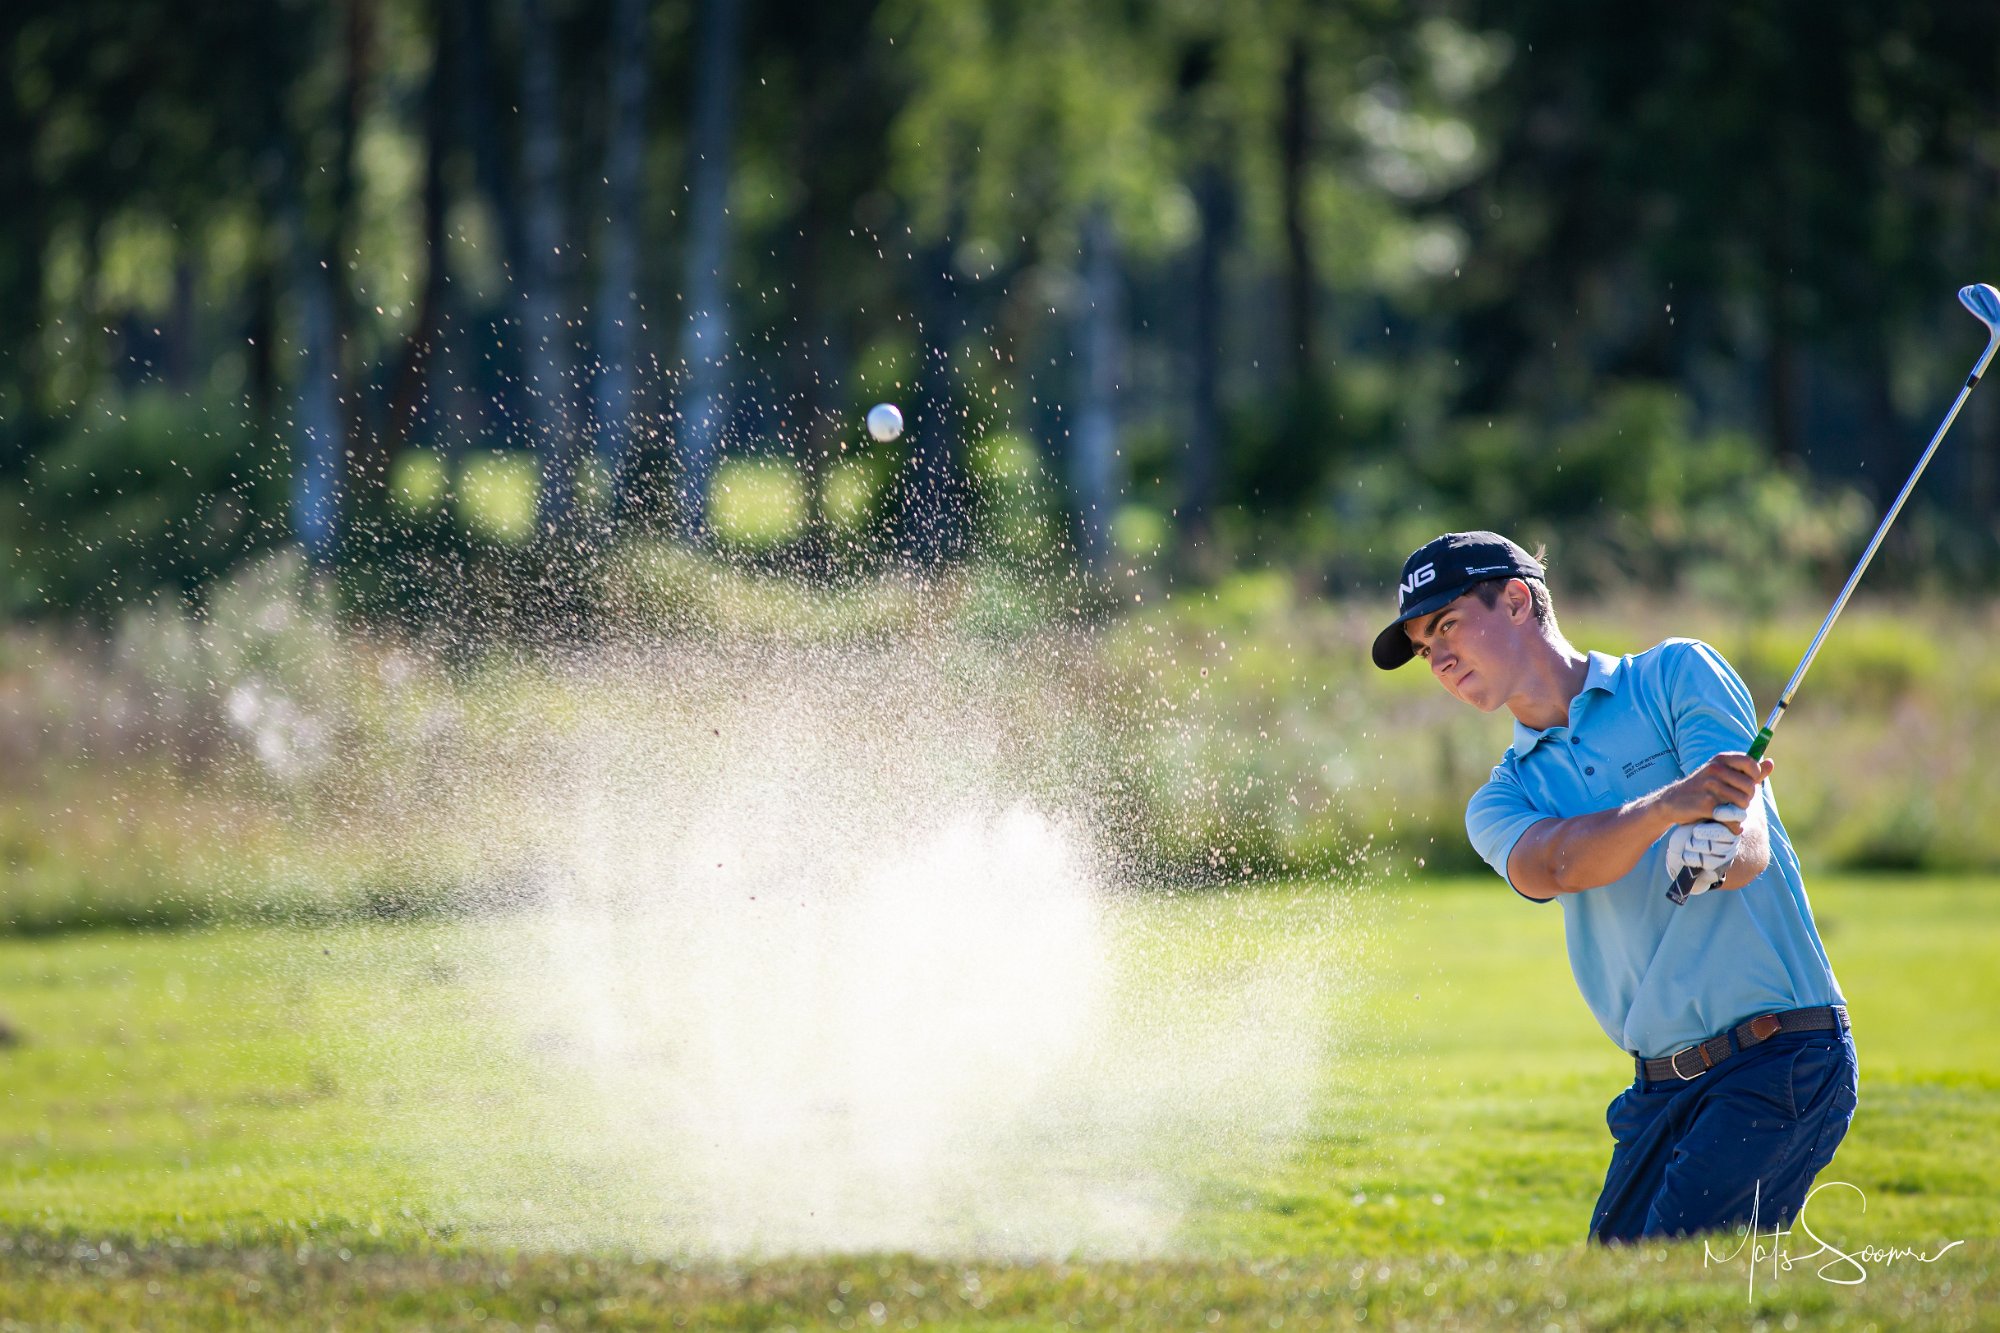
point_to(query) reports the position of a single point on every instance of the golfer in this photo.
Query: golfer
(1624, 771)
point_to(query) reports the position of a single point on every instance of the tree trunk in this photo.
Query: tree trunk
(932, 511)
(1093, 443)
(22, 282)
(299, 251)
(704, 405)
(1782, 378)
(406, 403)
(1784, 368)
(1294, 147)
(177, 359)
(1202, 480)
(818, 428)
(321, 425)
(263, 329)
(550, 359)
(277, 236)
(359, 448)
(618, 257)
(494, 407)
(479, 107)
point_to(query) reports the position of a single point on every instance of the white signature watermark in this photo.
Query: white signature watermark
(1849, 1268)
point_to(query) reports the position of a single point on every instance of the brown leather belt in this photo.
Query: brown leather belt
(1691, 1062)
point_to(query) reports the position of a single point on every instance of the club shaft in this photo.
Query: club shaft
(1840, 602)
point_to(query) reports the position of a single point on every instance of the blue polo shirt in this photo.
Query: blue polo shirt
(1657, 976)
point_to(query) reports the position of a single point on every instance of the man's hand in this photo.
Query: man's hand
(1706, 848)
(1727, 779)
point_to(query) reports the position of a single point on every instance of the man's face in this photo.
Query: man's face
(1472, 648)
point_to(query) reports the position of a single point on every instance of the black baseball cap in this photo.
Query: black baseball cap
(1438, 573)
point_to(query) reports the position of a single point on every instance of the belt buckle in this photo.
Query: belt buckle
(1674, 1063)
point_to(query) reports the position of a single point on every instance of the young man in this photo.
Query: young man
(1623, 771)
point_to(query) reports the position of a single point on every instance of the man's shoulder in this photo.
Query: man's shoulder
(1507, 771)
(1668, 658)
(1673, 649)
(1679, 674)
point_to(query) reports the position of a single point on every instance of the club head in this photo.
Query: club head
(1982, 300)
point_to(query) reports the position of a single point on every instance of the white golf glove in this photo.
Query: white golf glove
(1707, 848)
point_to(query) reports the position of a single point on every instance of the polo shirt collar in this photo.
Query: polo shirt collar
(1602, 674)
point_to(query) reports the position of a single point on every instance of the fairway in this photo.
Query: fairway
(219, 1125)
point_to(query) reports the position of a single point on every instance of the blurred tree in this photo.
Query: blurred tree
(1295, 144)
(21, 253)
(617, 313)
(481, 111)
(810, 153)
(1216, 205)
(410, 382)
(932, 518)
(330, 222)
(1768, 205)
(1094, 465)
(704, 394)
(1211, 136)
(1276, 252)
(550, 347)
(320, 443)
(1029, 133)
(1208, 142)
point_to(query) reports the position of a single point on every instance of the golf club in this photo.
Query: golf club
(1983, 301)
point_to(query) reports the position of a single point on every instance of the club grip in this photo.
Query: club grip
(1677, 892)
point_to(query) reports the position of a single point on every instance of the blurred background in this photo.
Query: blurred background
(360, 355)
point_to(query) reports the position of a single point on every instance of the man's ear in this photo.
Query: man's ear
(1519, 599)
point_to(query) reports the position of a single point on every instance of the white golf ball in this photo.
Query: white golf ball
(885, 421)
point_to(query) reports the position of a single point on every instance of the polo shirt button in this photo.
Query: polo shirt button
(1576, 740)
(1588, 770)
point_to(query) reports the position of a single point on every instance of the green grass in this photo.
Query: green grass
(197, 1129)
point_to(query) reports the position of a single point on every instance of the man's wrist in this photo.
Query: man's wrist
(1650, 813)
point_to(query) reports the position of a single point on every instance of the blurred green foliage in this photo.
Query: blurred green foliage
(420, 480)
(852, 493)
(757, 503)
(136, 492)
(496, 495)
(1631, 495)
(1323, 280)
(1272, 744)
(264, 758)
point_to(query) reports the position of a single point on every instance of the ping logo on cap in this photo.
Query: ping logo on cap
(1418, 578)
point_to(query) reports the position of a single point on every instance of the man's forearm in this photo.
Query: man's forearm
(1589, 851)
(1753, 849)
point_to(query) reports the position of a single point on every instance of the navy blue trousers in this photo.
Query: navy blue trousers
(1692, 1156)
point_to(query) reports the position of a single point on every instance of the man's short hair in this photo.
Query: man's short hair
(1488, 592)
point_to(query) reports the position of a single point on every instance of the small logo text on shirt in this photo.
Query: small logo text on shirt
(1638, 764)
